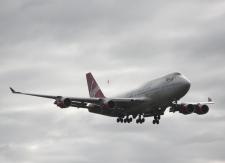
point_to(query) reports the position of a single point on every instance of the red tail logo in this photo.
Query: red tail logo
(94, 90)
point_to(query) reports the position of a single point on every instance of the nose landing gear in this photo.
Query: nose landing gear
(156, 119)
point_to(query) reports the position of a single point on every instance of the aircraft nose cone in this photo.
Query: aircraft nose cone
(186, 84)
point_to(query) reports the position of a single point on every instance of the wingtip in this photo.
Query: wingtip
(12, 90)
(210, 99)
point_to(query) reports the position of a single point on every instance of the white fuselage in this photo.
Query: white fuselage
(170, 87)
(159, 94)
(163, 91)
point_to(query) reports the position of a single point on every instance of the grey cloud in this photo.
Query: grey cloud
(48, 46)
(70, 19)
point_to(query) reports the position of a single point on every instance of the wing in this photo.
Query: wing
(210, 101)
(88, 100)
(82, 102)
(37, 95)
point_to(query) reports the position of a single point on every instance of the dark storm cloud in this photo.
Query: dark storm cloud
(47, 46)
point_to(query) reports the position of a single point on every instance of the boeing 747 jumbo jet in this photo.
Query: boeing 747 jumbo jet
(149, 100)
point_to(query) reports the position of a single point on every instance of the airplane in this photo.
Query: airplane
(149, 100)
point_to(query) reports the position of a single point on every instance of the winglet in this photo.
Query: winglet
(209, 99)
(12, 90)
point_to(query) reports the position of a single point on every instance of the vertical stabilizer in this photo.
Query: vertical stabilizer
(94, 90)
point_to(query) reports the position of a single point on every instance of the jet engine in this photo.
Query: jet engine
(62, 102)
(201, 109)
(186, 109)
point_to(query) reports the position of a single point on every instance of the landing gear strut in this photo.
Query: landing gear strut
(156, 119)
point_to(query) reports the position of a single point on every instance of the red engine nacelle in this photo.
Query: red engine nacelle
(201, 109)
(186, 109)
(63, 102)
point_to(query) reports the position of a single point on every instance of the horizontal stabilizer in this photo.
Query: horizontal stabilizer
(209, 101)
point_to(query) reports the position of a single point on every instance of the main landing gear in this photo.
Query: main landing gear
(156, 119)
(140, 119)
(127, 119)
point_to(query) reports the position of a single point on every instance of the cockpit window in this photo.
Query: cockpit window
(177, 73)
(169, 79)
(172, 76)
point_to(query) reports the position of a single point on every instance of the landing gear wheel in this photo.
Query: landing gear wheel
(119, 120)
(137, 121)
(140, 119)
(156, 119)
(157, 122)
(153, 122)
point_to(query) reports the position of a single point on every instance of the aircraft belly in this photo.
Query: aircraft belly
(106, 112)
(140, 109)
(159, 98)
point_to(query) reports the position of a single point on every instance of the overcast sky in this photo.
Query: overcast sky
(47, 46)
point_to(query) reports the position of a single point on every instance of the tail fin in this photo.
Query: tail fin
(94, 90)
